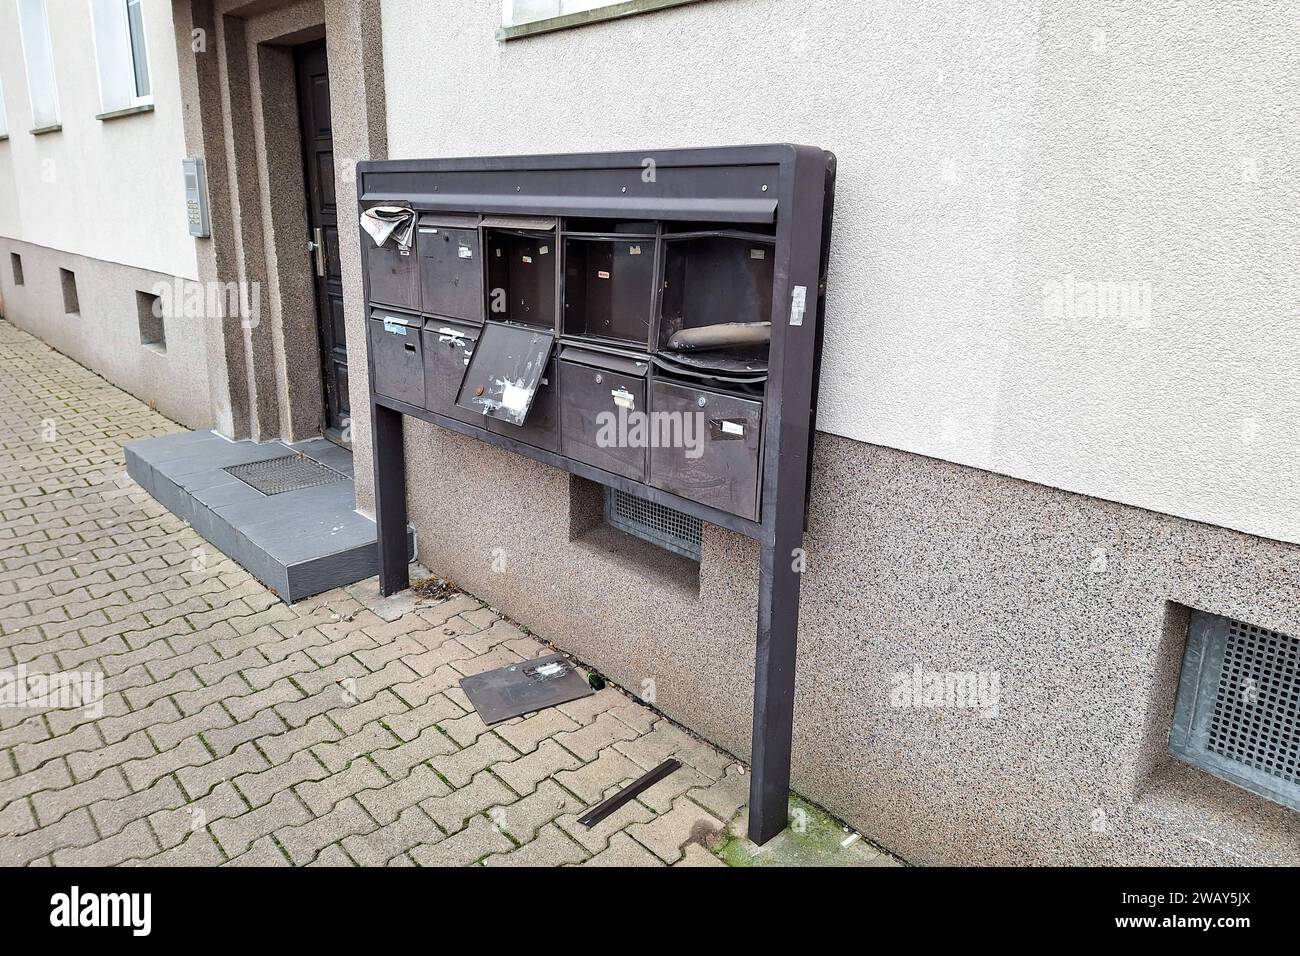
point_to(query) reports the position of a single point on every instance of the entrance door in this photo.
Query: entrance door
(323, 243)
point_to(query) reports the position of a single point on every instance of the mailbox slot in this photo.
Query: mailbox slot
(505, 371)
(394, 276)
(522, 271)
(599, 392)
(397, 356)
(451, 267)
(542, 427)
(609, 287)
(715, 457)
(718, 278)
(447, 349)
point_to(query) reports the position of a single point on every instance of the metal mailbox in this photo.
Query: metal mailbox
(598, 393)
(394, 275)
(451, 266)
(579, 308)
(542, 427)
(715, 460)
(447, 348)
(522, 267)
(609, 287)
(397, 355)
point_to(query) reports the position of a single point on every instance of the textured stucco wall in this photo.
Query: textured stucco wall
(986, 151)
(105, 334)
(110, 190)
(912, 563)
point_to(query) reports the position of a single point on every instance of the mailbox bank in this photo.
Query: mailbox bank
(595, 311)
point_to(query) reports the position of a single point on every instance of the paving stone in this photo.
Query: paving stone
(452, 810)
(236, 834)
(112, 815)
(224, 740)
(17, 818)
(211, 718)
(524, 773)
(669, 832)
(371, 738)
(586, 709)
(409, 724)
(695, 855)
(587, 742)
(143, 773)
(52, 805)
(478, 839)
(623, 851)
(198, 849)
(465, 729)
(411, 829)
(263, 852)
(194, 701)
(198, 781)
(173, 825)
(134, 840)
(322, 795)
(352, 717)
(397, 763)
(260, 788)
(524, 735)
(598, 838)
(304, 841)
(145, 694)
(524, 817)
(551, 848)
(388, 801)
(75, 829)
(32, 755)
(281, 692)
(593, 780)
(279, 747)
(460, 767)
(332, 855)
(667, 740)
(663, 794)
(724, 798)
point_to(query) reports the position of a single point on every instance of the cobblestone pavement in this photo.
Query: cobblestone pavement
(236, 730)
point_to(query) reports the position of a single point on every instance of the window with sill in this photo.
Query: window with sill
(38, 58)
(521, 17)
(121, 55)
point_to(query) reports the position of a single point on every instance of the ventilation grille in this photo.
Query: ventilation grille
(656, 523)
(275, 476)
(1238, 706)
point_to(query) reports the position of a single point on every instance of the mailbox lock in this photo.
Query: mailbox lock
(701, 401)
(478, 391)
(599, 378)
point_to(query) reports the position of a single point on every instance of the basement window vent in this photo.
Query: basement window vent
(16, 263)
(275, 476)
(68, 280)
(149, 317)
(656, 523)
(1237, 714)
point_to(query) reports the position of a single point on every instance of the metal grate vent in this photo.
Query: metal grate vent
(1238, 709)
(275, 476)
(656, 523)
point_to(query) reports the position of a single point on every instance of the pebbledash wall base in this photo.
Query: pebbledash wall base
(565, 307)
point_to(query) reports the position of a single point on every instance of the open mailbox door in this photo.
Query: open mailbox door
(505, 371)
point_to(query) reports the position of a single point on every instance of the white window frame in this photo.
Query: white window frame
(4, 116)
(520, 18)
(31, 42)
(115, 63)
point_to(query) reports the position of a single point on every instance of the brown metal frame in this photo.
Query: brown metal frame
(791, 185)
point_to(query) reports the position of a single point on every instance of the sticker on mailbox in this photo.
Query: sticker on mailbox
(623, 398)
(602, 274)
(527, 259)
(733, 428)
(465, 252)
(395, 326)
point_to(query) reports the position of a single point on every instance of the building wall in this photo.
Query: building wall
(996, 487)
(995, 159)
(104, 199)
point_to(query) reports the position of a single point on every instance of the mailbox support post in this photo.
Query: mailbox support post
(389, 456)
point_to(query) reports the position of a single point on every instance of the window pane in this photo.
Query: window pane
(40, 63)
(112, 54)
(139, 57)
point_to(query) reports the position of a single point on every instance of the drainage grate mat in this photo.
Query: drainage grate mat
(275, 476)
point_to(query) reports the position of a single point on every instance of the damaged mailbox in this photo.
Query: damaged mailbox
(657, 334)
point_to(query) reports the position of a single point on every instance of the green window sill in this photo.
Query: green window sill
(125, 111)
(570, 20)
